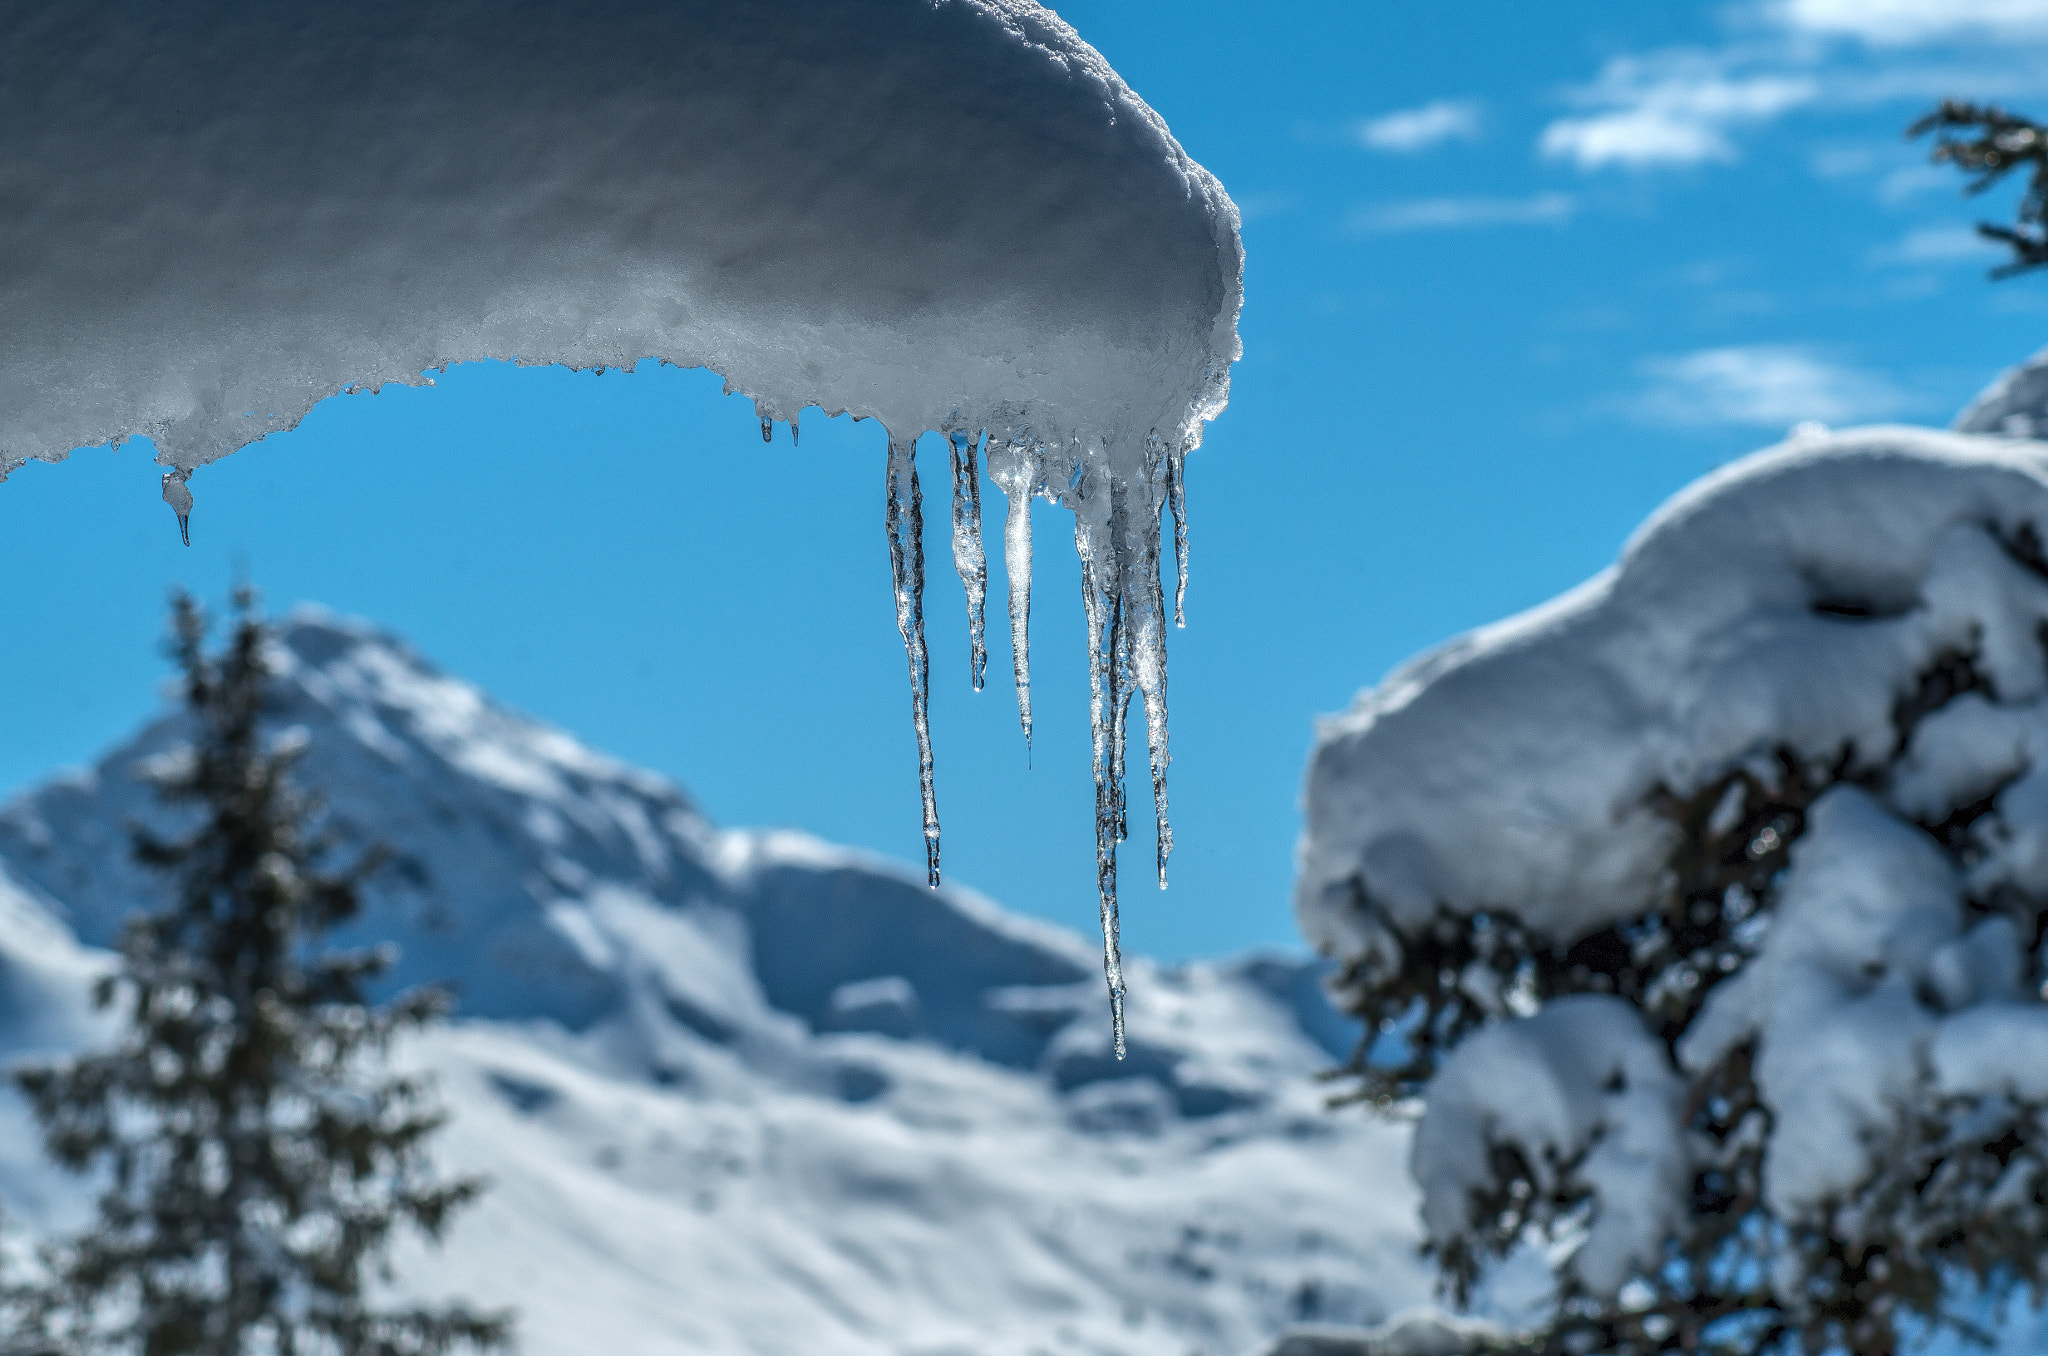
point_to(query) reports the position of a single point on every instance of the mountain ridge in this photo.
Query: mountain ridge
(746, 1091)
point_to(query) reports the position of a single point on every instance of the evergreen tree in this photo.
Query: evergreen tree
(2003, 142)
(1958, 1203)
(257, 1164)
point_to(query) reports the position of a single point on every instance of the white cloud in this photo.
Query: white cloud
(1765, 385)
(1416, 129)
(1685, 106)
(1260, 206)
(1900, 22)
(1671, 109)
(1937, 245)
(1911, 181)
(1432, 214)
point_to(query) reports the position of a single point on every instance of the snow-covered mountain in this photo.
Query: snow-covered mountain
(749, 1092)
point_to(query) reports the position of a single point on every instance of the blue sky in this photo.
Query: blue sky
(1515, 273)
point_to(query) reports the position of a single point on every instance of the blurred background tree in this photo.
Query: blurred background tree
(257, 1158)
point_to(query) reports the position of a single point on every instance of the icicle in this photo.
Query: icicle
(1102, 601)
(180, 500)
(968, 557)
(1018, 476)
(905, 523)
(1148, 648)
(767, 429)
(1177, 504)
(1120, 712)
(792, 430)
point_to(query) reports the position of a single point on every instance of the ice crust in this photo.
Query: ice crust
(947, 215)
(1788, 605)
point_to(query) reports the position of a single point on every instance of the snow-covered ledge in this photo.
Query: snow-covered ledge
(937, 214)
(946, 215)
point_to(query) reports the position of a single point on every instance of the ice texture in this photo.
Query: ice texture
(946, 215)
(1869, 605)
(905, 523)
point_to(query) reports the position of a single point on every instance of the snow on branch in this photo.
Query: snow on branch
(1704, 907)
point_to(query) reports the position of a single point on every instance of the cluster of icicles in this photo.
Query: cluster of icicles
(1117, 533)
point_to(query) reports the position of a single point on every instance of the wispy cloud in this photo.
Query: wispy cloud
(1911, 181)
(1674, 108)
(1260, 206)
(1438, 214)
(1417, 129)
(1899, 22)
(1938, 245)
(1688, 106)
(1763, 385)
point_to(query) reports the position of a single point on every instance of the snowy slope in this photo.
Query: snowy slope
(747, 1092)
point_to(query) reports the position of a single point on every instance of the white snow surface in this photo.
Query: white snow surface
(2014, 406)
(1787, 603)
(938, 213)
(1511, 767)
(747, 1092)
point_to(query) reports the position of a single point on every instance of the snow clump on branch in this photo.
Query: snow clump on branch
(1703, 907)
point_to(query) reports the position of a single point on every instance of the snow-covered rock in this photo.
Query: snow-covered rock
(746, 1092)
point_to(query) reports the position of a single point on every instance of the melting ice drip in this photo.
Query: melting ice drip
(1117, 533)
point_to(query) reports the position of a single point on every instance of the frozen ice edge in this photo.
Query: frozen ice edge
(947, 215)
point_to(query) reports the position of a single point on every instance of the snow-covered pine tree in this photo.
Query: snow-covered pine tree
(1704, 911)
(1956, 1200)
(257, 1161)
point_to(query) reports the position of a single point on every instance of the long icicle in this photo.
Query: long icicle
(968, 557)
(1177, 504)
(1120, 633)
(1148, 647)
(905, 522)
(1102, 601)
(1018, 478)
